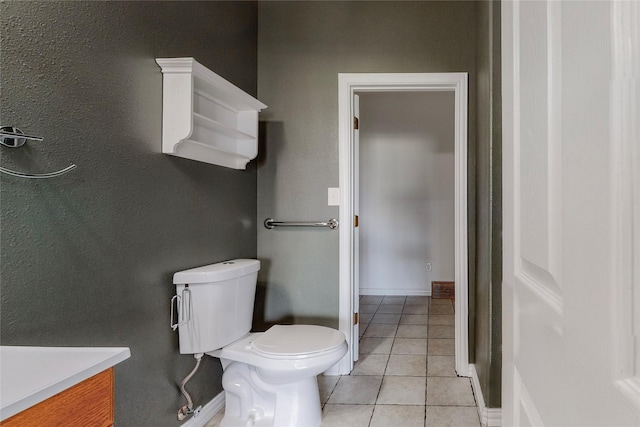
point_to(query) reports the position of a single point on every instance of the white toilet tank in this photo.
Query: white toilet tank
(217, 304)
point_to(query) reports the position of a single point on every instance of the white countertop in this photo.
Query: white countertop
(29, 375)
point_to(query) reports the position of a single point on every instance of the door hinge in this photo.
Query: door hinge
(356, 221)
(355, 123)
(355, 318)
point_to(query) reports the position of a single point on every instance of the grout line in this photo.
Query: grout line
(375, 402)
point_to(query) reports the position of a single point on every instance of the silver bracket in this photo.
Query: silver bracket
(13, 137)
(183, 305)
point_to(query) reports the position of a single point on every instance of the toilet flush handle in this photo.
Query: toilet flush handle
(183, 306)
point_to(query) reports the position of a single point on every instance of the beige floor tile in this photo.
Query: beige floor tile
(377, 345)
(368, 308)
(371, 299)
(356, 390)
(452, 416)
(444, 391)
(398, 415)
(363, 328)
(412, 331)
(365, 317)
(407, 364)
(380, 330)
(326, 384)
(441, 331)
(417, 300)
(416, 309)
(346, 415)
(386, 318)
(441, 309)
(441, 347)
(414, 319)
(409, 346)
(439, 319)
(441, 366)
(402, 391)
(441, 301)
(371, 364)
(390, 308)
(394, 299)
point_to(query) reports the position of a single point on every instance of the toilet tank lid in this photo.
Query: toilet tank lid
(217, 272)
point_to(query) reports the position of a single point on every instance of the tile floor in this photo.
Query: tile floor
(405, 376)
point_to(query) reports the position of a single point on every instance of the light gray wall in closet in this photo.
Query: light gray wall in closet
(406, 191)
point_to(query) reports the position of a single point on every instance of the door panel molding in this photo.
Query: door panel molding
(526, 411)
(625, 167)
(538, 168)
(541, 283)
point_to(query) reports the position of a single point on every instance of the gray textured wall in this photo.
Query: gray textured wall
(302, 48)
(87, 258)
(488, 336)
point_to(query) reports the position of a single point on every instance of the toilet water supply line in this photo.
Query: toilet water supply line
(187, 409)
(183, 304)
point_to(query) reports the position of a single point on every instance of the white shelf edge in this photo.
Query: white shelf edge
(202, 152)
(183, 79)
(221, 128)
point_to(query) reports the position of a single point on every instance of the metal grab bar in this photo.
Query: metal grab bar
(271, 223)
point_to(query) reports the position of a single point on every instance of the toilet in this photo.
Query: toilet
(269, 378)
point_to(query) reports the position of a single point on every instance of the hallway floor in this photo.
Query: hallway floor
(405, 376)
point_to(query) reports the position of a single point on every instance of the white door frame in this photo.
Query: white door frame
(348, 85)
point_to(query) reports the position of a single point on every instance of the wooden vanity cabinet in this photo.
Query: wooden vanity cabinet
(86, 404)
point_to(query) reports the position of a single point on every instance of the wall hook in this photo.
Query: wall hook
(13, 137)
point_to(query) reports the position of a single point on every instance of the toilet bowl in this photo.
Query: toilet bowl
(269, 377)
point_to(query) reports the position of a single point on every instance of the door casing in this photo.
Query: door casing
(350, 84)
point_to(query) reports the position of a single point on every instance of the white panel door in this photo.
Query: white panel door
(571, 290)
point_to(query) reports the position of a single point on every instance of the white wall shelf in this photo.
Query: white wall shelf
(205, 117)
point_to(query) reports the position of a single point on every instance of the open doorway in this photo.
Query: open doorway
(350, 85)
(406, 192)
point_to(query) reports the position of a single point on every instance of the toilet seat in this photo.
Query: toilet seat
(292, 341)
(315, 345)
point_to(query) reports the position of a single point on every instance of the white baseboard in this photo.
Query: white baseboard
(489, 417)
(207, 412)
(395, 291)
